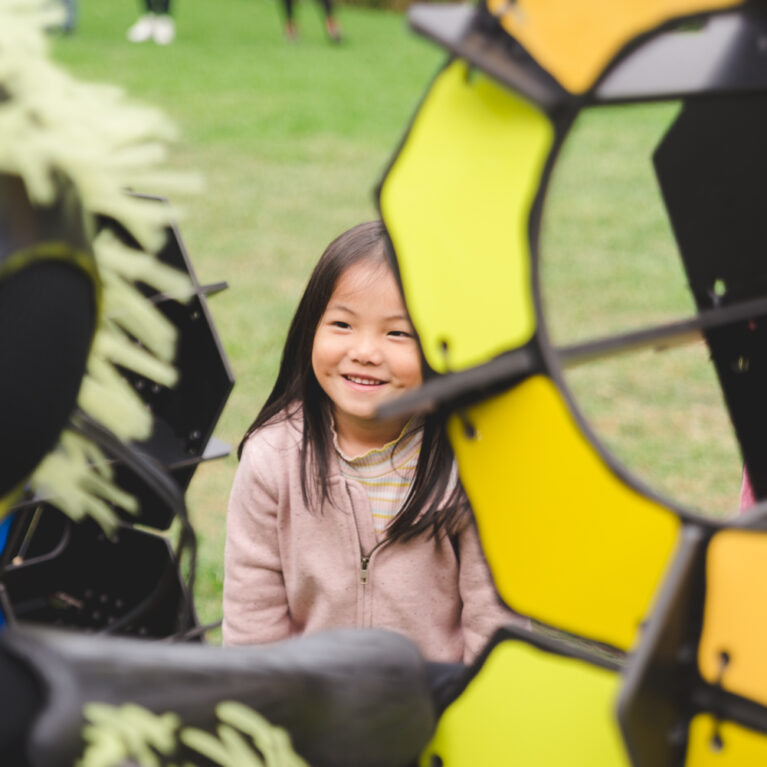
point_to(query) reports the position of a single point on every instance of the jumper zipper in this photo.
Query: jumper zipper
(365, 563)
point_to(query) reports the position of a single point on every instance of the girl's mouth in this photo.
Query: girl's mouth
(361, 381)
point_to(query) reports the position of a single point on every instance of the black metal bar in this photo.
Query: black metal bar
(662, 336)
(456, 390)
(467, 386)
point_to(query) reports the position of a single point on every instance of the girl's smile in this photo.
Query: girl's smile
(363, 381)
(365, 351)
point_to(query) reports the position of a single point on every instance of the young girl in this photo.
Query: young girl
(340, 519)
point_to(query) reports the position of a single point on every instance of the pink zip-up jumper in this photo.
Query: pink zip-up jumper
(293, 571)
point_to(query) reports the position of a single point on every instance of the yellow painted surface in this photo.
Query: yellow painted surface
(735, 616)
(568, 542)
(740, 747)
(576, 40)
(456, 204)
(529, 708)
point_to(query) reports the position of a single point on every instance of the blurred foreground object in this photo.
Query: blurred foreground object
(573, 539)
(96, 290)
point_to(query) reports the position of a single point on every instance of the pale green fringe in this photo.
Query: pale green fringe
(243, 738)
(104, 144)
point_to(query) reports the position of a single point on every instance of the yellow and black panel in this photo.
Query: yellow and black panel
(654, 706)
(576, 41)
(714, 743)
(49, 299)
(531, 705)
(569, 542)
(731, 654)
(456, 203)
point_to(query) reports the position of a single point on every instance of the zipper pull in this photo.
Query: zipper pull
(364, 562)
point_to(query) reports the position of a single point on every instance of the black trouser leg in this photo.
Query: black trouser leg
(159, 6)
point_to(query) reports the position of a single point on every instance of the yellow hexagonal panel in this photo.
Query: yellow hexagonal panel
(531, 708)
(735, 617)
(736, 746)
(456, 203)
(568, 542)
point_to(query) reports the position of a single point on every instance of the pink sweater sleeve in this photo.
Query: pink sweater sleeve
(483, 611)
(255, 600)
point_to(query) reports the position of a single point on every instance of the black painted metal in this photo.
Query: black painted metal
(654, 704)
(712, 169)
(184, 416)
(460, 389)
(87, 581)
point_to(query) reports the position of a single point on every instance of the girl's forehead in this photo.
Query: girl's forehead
(366, 277)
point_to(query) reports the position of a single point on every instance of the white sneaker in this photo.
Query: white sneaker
(164, 31)
(142, 30)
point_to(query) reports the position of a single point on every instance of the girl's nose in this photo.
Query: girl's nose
(366, 351)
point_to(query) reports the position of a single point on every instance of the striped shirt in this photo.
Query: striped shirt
(386, 473)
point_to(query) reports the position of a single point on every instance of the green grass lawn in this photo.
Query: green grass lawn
(291, 140)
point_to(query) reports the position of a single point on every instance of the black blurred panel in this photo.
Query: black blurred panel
(154, 511)
(34, 533)
(186, 415)
(47, 319)
(712, 169)
(191, 408)
(654, 706)
(90, 582)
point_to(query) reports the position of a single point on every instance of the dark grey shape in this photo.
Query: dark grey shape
(726, 54)
(654, 706)
(348, 698)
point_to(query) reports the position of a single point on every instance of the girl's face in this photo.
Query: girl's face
(364, 349)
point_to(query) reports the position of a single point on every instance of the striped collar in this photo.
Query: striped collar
(384, 459)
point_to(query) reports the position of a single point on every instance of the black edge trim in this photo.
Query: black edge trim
(540, 642)
(457, 390)
(469, 32)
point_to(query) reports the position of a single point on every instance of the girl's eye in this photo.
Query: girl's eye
(340, 324)
(400, 334)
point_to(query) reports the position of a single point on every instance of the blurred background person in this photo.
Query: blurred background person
(331, 25)
(155, 24)
(70, 20)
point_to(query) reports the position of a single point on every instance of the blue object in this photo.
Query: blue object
(5, 526)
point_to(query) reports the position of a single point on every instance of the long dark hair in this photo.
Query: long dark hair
(432, 505)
